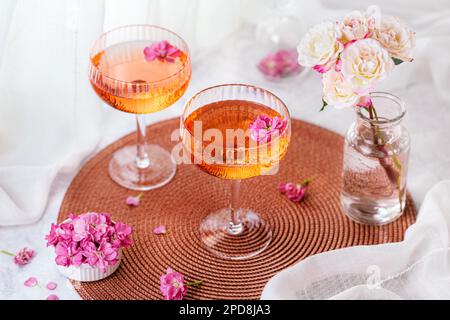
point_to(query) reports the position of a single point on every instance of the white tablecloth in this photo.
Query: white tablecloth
(423, 84)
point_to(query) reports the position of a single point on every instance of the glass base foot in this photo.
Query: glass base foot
(239, 242)
(124, 171)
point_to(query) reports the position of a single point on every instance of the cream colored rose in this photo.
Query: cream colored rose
(320, 45)
(337, 91)
(357, 25)
(364, 63)
(395, 37)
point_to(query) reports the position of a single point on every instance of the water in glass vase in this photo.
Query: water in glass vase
(375, 164)
(235, 155)
(158, 84)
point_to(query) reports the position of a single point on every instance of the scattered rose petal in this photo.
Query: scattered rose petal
(294, 192)
(264, 127)
(134, 201)
(160, 229)
(163, 51)
(51, 286)
(30, 282)
(279, 64)
(24, 256)
(53, 297)
(172, 285)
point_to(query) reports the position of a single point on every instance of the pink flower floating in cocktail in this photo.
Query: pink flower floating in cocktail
(264, 127)
(90, 238)
(163, 51)
(279, 64)
(174, 287)
(294, 192)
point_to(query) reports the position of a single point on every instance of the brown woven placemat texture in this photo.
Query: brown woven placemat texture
(299, 230)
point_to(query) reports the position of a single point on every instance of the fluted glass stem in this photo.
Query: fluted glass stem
(235, 226)
(142, 160)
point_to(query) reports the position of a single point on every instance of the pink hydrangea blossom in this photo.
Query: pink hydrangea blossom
(90, 238)
(102, 256)
(53, 297)
(294, 192)
(24, 256)
(122, 235)
(279, 64)
(163, 51)
(160, 229)
(68, 254)
(172, 285)
(30, 282)
(264, 127)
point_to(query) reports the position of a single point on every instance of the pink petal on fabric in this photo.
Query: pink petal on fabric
(53, 297)
(160, 229)
(30, 282)
(51, 286)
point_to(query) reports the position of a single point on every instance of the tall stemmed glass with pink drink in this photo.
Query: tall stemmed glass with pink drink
(140, 69)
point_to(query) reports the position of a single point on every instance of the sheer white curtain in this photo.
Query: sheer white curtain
(50, 120)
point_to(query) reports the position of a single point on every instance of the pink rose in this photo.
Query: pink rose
(294, 192)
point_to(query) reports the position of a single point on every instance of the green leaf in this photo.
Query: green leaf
(397, 61)
(324, 105)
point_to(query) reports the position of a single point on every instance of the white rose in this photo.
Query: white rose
(396, 37)
(337, 91)
(364, 63)
(320, 45)
(357, 25)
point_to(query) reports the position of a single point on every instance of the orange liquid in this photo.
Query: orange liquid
(127, 82)
(233, 158)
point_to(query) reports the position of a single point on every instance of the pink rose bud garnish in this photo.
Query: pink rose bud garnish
(30, 282)
(163, 51)
(294, 192)
(134, 201)
(53, 297)
(279, 64)
(264, 127)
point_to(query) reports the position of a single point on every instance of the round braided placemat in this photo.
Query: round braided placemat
(299, 229)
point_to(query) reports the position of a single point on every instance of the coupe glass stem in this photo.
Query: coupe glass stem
(142, 160)
(235, 226)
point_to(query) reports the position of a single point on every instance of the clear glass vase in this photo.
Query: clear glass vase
(376, 153)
